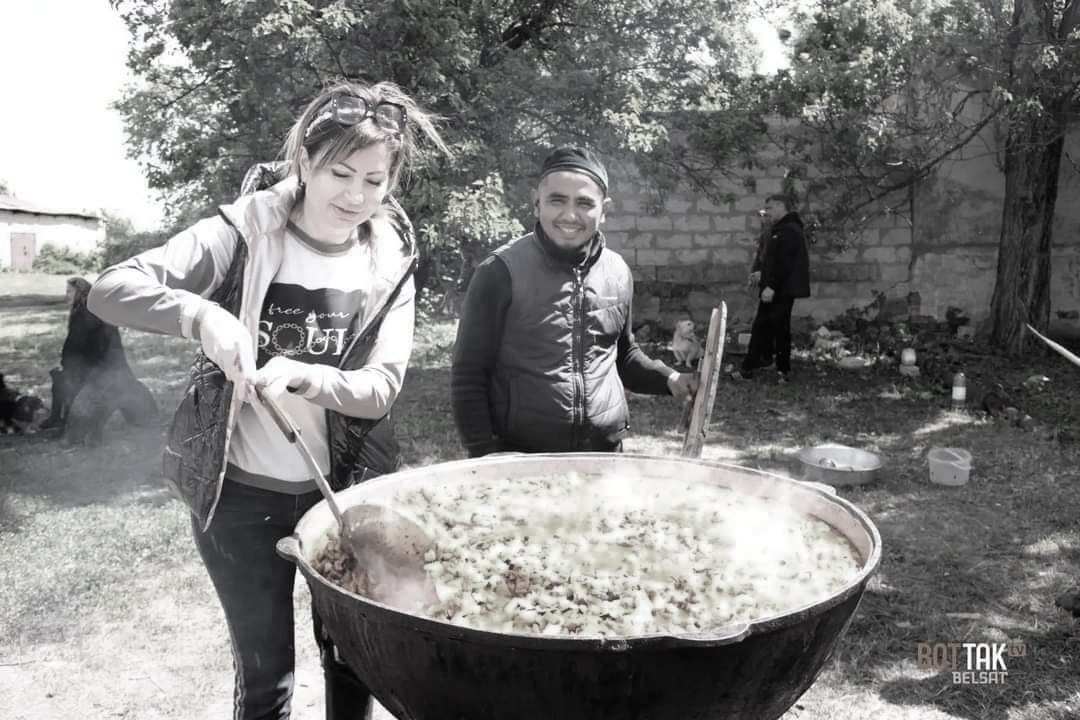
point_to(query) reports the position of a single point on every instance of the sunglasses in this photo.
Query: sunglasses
(349, 110)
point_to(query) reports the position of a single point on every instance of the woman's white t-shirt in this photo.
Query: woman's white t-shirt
(308, 316)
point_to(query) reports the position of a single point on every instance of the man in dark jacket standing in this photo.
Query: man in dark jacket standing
(544, 346)
(784, 276)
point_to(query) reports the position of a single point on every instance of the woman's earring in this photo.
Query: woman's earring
(302, 184)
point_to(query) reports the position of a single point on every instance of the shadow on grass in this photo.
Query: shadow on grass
(35, 300)
(43, 472)
(1039, 686)
(977, 563)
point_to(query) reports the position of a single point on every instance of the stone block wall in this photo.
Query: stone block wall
(692, 252)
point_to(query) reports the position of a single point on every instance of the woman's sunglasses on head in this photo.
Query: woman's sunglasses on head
(350, 110)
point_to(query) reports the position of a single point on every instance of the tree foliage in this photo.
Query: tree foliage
(61, 260)
(219, 84)
(122, 241)
(882, 91)
(474, 222)
(879, 94)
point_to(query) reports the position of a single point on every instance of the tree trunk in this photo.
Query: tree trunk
(1033, 148)
(1022, 288)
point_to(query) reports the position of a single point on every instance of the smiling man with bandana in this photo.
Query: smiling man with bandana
(544, 346)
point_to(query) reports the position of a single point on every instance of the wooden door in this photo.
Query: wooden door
(23, 251)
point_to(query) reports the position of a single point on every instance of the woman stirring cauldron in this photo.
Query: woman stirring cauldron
(303, 290)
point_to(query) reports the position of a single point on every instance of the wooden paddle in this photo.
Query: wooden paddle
(389, 548)
(698, 410)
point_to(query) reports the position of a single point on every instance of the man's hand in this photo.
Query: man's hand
(754, 279)
(683, 385)
(228, 344)
(767, 295)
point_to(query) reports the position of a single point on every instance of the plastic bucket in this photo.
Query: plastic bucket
(949, 466)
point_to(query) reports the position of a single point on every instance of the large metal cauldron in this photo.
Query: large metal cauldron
(421, 669)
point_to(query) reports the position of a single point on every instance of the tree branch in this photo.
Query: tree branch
(1070, 18)
(189, 89)
(924, 169)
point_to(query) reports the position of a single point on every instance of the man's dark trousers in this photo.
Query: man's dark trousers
(770, 335)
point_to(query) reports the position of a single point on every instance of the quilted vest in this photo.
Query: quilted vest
(194, 457)
(556, 387)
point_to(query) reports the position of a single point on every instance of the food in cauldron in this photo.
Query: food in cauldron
(581, 554)
(421, 668)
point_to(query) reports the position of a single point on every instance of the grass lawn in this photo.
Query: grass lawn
(107, 613)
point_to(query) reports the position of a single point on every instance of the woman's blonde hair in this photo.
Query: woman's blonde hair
(328, 148)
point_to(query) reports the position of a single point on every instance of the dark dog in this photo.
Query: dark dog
(94, 379)
(18, 412)
(106, 392)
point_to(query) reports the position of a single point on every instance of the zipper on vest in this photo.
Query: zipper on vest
(577, 354)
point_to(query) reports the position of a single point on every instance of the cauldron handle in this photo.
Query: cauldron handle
(289, 548)
(721, 636)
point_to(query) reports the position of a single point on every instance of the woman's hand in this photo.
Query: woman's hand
(281, 375)
(227, 343)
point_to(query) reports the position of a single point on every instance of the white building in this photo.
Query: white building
(25, 228)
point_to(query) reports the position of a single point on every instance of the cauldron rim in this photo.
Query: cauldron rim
(291, 547)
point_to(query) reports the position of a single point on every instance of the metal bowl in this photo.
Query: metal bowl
(424, 669)
(838, 464)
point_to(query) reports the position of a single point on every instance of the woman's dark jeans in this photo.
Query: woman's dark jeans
(255, 587)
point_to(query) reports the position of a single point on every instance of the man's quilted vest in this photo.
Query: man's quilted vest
(556, 386)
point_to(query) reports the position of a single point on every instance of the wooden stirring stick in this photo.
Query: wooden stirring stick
(697, 412)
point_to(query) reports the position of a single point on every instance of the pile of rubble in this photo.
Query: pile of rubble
(931, 353)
